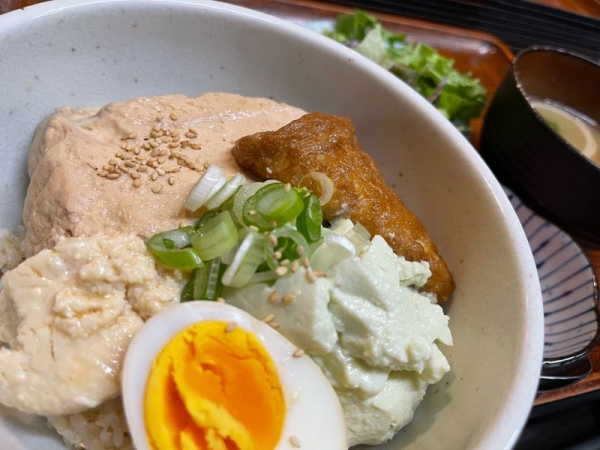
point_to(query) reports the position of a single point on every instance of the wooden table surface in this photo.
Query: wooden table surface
(488, 59)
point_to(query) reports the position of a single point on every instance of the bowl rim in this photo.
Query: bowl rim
(522, 91)
(507, 422)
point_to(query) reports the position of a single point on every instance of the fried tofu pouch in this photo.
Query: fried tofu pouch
(324, 143)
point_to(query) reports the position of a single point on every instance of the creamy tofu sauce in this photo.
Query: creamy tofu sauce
(128, 167)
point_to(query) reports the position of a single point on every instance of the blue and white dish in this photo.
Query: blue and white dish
(569, 287)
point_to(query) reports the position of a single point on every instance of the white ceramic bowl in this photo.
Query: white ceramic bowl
(93, 52)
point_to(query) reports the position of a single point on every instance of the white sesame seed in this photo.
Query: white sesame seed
(281, 271)
(269, 318)
(273, 297)
(295, 441)
(310, 276)
(156, 188)
(295, 265)
(230, 327)
(298, 353)
(289, 298)
(220, 300)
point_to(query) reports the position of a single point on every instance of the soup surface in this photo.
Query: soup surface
(578, 130)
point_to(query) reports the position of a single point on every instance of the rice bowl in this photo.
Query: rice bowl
(496, 314)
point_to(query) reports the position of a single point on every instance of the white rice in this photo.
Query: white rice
(100, 428)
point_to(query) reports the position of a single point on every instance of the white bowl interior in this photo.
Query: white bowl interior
(90, 53)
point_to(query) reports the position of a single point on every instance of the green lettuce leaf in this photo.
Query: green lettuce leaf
(458, 96)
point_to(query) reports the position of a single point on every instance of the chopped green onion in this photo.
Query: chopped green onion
(187, 293)
(336, 240)
(272, 206)
(263, 277)
(207, 282)
(331, 252)
(249, 255)
(205, 188)
(359, 236)
(290, 244)
(319, 184)
(205, 218)
(169, 249)
(310, 219)
(215, 236)
(242, 195)
(226, 191)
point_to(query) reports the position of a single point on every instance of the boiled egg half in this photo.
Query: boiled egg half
(207, 375)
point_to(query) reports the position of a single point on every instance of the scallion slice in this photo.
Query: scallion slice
(171, 249)
(205, 188)
(242, 195)
(226, 191)
(249, 255)
(290, 245)
(272, 206)
(310, 219)
(334, 249)
(319, 184)
(359, 236)
(207, 282)
(215, 236)
(187, 293)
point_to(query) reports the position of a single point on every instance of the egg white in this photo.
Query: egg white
(314, 417)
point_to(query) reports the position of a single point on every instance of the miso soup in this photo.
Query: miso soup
(579, 131)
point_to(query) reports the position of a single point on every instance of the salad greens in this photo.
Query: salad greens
(458, 96)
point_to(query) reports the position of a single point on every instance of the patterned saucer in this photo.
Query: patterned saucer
(569, 287)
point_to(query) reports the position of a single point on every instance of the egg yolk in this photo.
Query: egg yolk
(216, 388)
